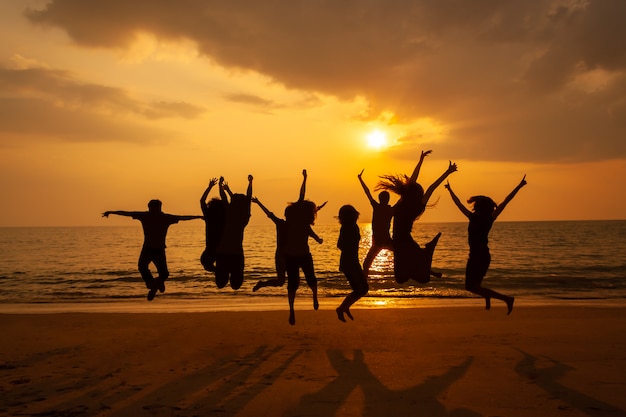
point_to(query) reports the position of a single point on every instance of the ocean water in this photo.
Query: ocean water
(541, 261)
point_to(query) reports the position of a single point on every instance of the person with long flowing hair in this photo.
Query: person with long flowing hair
(411, 261)
(299, 218)
(281, 241)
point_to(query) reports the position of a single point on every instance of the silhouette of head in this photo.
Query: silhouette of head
(302, 211)
(239, 207)
(482, 204)
(216, 208)
(154, 206)
(383, 197)
(348, 214)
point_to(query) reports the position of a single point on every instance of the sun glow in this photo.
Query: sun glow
(377, 139)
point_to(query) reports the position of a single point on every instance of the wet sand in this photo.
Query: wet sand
(441, 361)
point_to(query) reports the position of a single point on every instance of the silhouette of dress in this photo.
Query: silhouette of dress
(411, 261)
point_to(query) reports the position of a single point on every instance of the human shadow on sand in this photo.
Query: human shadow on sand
(224, 388)
(548, 379)
(378, 400)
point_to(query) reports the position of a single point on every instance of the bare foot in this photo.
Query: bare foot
(487, 303)
(349, 314)
(340, 314)
(509, 304)
(257, 286)
(316, 304)
(292, 317)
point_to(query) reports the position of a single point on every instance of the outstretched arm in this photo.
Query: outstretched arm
(416, 171)
(206, 192)
(367, 190)
(121, 213)
(458, 203)
(433, 187)
(508, 198)
(180, 218)
(303, 186)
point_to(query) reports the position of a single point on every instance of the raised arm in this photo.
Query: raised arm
(249, 190)
(206, 192)
(458, 203)
(508, 198)
(433, 187)
(303, 186)
(265, 209)
(223, 187)
(416, 171)
(227, 189)
(367, 190)
(267, 212)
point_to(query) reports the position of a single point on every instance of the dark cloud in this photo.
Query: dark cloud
(32, 119)
(500, 74)
(62, 88)
(40, 103)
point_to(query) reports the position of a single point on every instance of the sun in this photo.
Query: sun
(377, 139)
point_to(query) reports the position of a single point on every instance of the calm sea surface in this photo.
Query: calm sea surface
(550, 261)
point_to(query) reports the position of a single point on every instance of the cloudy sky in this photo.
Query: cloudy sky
(105, 105)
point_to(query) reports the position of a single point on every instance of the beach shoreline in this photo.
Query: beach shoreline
(279, 303)
(462, 361)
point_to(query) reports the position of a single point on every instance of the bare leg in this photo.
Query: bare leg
(292, 313)
(488, 294)
(274, 282)
(344, 308)
(435, 274)
(369, 259)
(316, 304)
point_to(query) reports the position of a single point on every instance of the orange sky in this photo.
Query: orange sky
(106, 105)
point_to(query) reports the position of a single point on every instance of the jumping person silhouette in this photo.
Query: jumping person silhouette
(229, 263)
(299, 218)
(348, 244)
(485, 211)
(213, 212)
(155, 224)
(382, 213)
(281, 240)
(410, 260)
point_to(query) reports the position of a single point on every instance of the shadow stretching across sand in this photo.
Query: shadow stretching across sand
(379, 401)
(224, 388)
(547, 379)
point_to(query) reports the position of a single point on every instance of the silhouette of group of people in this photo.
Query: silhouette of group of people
(227, 216)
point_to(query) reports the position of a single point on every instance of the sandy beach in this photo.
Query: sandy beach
(449, 361)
